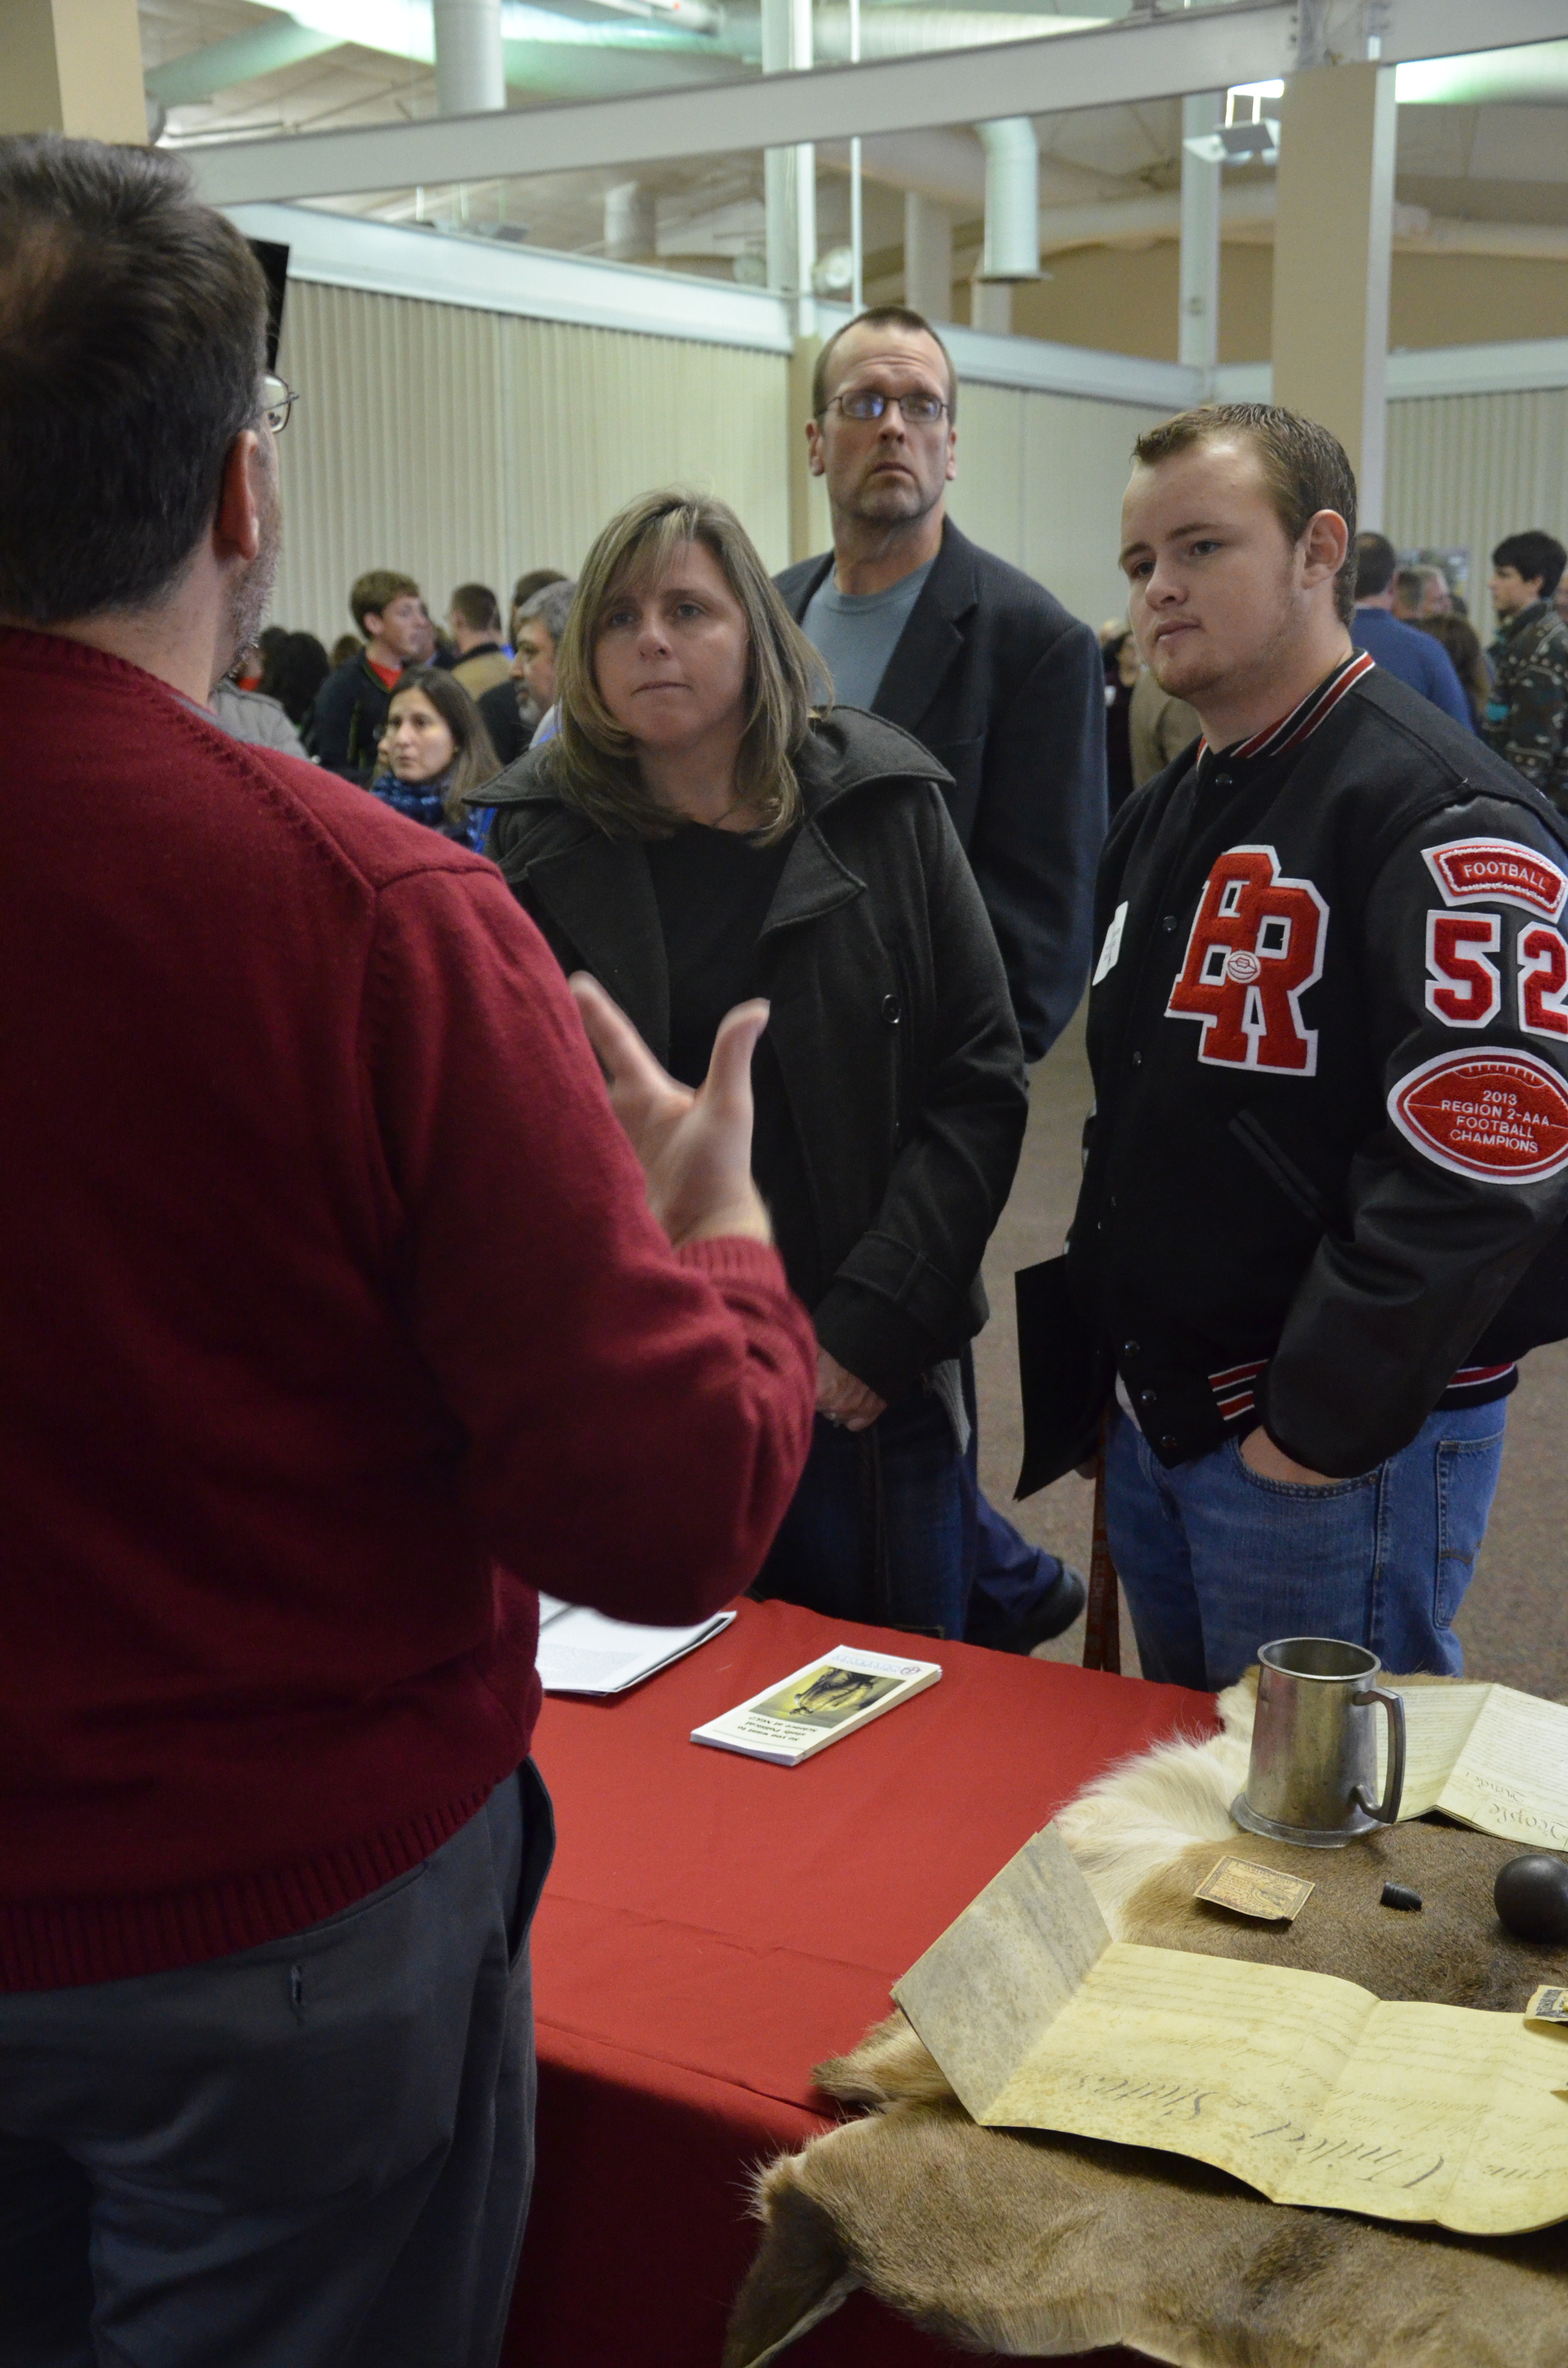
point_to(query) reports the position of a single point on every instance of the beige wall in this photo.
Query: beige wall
(1465, 470)
(1124, 301)
(460, 444)
(1039, 483)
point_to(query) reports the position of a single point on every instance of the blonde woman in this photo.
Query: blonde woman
(696, 834)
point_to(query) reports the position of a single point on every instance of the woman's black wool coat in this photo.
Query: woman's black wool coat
(890, 1022)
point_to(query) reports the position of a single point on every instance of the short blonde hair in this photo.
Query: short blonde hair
(592, 762)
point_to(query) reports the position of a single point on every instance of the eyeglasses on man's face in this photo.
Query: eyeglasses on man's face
(278, 400)
(865, 403)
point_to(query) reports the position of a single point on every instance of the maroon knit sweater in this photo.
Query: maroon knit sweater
(332, 1323)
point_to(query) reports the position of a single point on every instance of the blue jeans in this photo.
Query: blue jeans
(1012, 1577)
(1218, 1561)
(881, 1526)
(315, 2152)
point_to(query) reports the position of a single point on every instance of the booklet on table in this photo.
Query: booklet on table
(581, 1652)
(841, 1690)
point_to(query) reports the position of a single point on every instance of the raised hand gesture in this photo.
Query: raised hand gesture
(694, 1147)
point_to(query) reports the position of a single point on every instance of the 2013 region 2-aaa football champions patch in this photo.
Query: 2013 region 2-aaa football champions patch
(1501, 1116)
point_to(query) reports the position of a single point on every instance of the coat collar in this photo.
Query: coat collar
(933, 637)
(599, 892)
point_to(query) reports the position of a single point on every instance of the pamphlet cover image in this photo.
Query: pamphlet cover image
(826, 1695)
(830, 1697)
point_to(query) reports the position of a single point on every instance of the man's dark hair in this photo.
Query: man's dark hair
(371, 593)
(478, 608)
(1534, 553)
(1306, 469)
(1375, 559)
(133, 329)
(880, 316)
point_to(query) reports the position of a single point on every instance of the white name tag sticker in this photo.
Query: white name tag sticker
(1111, 946)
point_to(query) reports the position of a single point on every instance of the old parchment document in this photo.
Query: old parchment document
(1492, 1757)
(1306, 2087)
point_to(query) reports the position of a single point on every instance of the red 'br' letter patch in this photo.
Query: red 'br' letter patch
(1501, 1116)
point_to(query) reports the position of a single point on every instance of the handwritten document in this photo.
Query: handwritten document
(1305, 2085)
(1489, 1756)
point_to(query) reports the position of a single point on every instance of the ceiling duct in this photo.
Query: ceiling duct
(1012, 199)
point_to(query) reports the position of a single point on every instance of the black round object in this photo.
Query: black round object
(1531, 1894)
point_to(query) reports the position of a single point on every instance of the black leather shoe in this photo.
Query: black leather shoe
(1053, 1615)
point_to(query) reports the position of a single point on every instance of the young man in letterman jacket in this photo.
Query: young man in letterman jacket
(1328, 1165)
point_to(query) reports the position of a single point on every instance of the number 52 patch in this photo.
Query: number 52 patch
(1464, 986)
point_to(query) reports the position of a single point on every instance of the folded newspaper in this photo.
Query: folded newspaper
(832, 1695)
(581, 1652)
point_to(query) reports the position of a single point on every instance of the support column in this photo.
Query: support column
(1333, 244)
(790, 184)
(927, 256)
(810, 528)
(1198, 334)
(470, 73)
(630, 223)
(73, 66)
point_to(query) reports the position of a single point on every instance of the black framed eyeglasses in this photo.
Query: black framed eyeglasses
(278, 400)
(917, 410)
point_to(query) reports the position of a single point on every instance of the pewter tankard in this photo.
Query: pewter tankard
(1313, 1776)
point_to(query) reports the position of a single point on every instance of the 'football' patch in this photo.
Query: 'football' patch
(1497, 871)
(1499, 1116)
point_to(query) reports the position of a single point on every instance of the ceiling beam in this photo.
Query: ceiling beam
(1134, 60)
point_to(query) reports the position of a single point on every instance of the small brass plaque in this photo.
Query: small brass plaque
(1261, 1891)
(1547, 2006)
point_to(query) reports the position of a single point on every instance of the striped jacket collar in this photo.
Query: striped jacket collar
(1290, 729)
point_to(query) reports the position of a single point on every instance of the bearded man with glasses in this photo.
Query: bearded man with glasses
(1006, 689)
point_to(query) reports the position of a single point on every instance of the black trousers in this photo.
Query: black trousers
(316, 2154)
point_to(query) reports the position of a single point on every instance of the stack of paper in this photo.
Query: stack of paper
(1305, 2085)
(581, 1651)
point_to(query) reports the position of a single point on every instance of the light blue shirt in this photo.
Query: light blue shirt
(857, 632)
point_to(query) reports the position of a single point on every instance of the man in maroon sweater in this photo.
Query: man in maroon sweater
(337, 1317)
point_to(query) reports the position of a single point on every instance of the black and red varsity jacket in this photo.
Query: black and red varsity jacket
(1326, 1175)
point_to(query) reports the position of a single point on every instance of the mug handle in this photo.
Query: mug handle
(1387, 1810)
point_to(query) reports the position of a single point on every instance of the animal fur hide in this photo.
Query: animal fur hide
(1035, 2245)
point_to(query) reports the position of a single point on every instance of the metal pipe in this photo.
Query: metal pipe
(471, 76)
(1012, 199)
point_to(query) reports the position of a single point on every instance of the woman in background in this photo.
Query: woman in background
(296, 667)
(694, 835)
(434, 755)
(1462, 644)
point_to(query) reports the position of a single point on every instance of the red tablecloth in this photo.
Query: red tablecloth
(714, 1926)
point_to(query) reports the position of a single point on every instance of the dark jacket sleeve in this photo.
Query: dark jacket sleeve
(1038, 828)
(333, 720)
(904, 1298)
(1453, 1197)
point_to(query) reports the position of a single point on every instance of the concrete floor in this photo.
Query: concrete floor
(1514, 1624)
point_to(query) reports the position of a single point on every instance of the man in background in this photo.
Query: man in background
(473, 621)
(1159, 726)
(514, 709)
(1006, 689)
(1420, 591)
(1527, 716)
(351, 705)
(347, 1318)
(1401, 650)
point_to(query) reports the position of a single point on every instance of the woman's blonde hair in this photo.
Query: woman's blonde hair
(592, 762)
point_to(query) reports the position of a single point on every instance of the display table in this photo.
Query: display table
(714, 1926)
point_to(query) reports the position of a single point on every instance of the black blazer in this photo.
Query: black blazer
(902, 1069)
(1006, 689)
